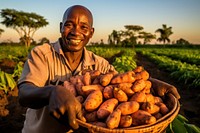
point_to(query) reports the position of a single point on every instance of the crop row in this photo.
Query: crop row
(105, 52)
(191, 56)
(125, 61)
(13, 52)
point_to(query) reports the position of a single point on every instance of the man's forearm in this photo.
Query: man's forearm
(34, 97)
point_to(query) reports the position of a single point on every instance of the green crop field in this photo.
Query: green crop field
(183, 65)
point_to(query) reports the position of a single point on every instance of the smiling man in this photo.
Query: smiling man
(51, 107)
(76, 30)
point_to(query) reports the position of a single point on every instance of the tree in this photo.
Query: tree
(130, 33)
(165, 32)
(146, 36)
(114, 37)
(1, 31)
(110, 40)
(182, 41)
(26, 24)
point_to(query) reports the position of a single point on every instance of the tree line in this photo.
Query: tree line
(26, 24)
(135, 35)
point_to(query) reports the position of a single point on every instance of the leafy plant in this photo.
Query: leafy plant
(6, 81)
(124, 63)
(180, 125)
(18, 70)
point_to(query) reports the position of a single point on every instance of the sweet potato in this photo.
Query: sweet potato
(147, 88)
(138, 69)
(99, 124)
(69, 86)
(126, 87)
(142, 75)
(139, 97)
(120, 95)
(78, 87)
(105, 79)
(158, 116)
(108, 92)
(158, 100)
(80, 99)
(94, 74)
(93, 101)
(84, 71)
(89, 88)
(91, 116)
(150, 108)
(87, 78)
(96, 80)
(138, 85)
(113, 119)
(150, 98)
(75, 79)
(142, 117)
(127, 77)
(163, 108)
(125, 121)
(148, 84)
(107, 108)
(128, 107)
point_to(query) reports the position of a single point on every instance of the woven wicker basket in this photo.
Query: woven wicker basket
(157, 127)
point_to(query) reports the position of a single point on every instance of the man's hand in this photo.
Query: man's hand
(161, 88)
(65, 107)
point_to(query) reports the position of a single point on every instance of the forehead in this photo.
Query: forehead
(80, 14)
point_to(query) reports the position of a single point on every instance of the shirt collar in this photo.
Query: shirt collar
(58, 48)
(88, 58)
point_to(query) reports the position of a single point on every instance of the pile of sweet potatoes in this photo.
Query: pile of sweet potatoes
(115, 100)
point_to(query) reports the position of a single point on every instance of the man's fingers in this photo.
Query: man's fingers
(174, 91)
(62, 110)
(80, 116)
(72, 119)
(55, 114)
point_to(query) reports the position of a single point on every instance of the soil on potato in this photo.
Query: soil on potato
(12, 115)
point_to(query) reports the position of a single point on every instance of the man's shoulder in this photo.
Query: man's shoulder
(43, 49)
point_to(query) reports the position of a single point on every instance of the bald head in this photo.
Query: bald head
(78, 9)
(76, 28)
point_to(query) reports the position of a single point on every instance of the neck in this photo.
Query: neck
(74, 59)
(73, 56)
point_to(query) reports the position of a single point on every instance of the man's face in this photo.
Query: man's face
(76, 30)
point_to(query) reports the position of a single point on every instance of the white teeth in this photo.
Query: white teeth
(75, 41)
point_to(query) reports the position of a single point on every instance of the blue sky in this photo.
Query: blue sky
(182, 15)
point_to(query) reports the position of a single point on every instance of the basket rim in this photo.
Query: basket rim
(165, 120)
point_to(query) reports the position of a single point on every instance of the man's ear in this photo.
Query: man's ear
(60, 27)
(92, 32)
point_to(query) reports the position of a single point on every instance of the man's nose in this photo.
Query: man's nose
(75, 30)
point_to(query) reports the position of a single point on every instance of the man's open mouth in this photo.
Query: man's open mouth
(74, 41)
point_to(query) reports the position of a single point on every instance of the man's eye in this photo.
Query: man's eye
(68, 25)
(84, 27)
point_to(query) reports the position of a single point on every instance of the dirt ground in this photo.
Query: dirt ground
(14, 114)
